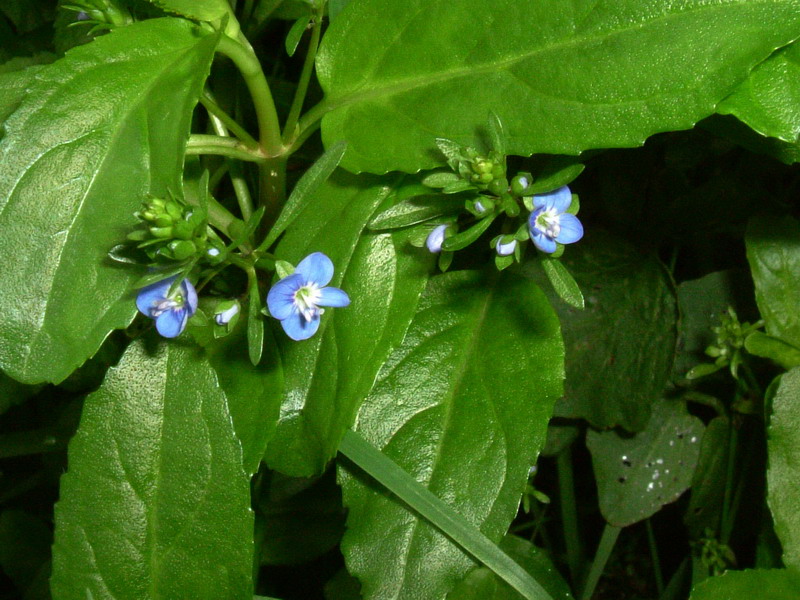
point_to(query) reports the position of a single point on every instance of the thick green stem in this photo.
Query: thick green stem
(610, 535)
(569, 514)
(272, 190)
(221, 146)
(305, 78)
(247, 62)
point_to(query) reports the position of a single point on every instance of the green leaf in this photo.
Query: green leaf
(254, 393)
(708, 481)
(470, 389)
(155, 503)
(255, 321)
(305, 191)
(769, 99)
(482, 584)
(70, 185)
(553, 172)
(564, 64)
(416, 210)
(296, 34)
(563, 283)
(764, 584)
(638, 475)
(626, 365)
(13, 89)
(328, 375)
(741, 134)
(773, 251)
(782, 447)
(464, 238)
(202, 10)
(766, 346)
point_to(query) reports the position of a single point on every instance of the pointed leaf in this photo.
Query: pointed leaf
(562, 76)
(764, 584)
(328, 375)
(96, 131)
(155, 503)
(470, 389)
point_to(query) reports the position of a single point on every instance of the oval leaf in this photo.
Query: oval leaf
(70, 185)
(471, 387)
(155, 504)
(582, 74)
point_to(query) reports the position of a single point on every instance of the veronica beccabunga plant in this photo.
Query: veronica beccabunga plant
(386, 299)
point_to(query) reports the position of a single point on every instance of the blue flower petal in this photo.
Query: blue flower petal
(151, 295)
(316, 268)
(435, 239)
(331, 296)
(171, 323)
(280, 299)
(297, 328)
(542, 242)
(559, 199)
(507, 248)
(571, 229)
(189, 296)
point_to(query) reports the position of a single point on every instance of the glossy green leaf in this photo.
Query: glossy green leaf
(328, 375)
(13, 88)
(638, 475)
(783, 447)
(773, 250)
(482, 584)
(69, 186)
(563, 283)
(582, 74)
(470, 389)
(769, 99)
(296, 34)
(255, 322)
(552, 172)
(305, 191)
(614, 373)
(708, 481)
(155, 503)
(766, 346)
(464, 238)
(253, 393)
(416, 210)
(764, 584)
(202, 10)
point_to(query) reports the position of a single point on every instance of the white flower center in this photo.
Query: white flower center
(549, 223)
(166, 304)
(306, 298)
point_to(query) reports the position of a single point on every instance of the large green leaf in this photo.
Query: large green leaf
(769, 100)
(773, 250)
(638, 475)
(155, 503)
(328, 376)
(202, 10)
(614, 373)
(469, 391)
(95, 133)
(783, 447)
(562, 76)
(764, 584)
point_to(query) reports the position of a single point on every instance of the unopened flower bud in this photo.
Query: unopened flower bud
(436, 239)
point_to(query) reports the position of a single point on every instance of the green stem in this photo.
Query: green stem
(305, 78)
(221, 218)
(569, 514)
(221, 146)
(651, 542)
(246, 61)
(425, 503)
(733, 438)
(216, 110)
(309, 123)
(610, 535)
(272, 189)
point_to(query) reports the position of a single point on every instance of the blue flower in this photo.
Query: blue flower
(169, 311)
(505, 248)
(436, 239)
(295, 300)
(549, 223)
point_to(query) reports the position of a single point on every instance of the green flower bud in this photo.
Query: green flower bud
(498, 186)
(181, 249)
(161, 232)
(521, 183)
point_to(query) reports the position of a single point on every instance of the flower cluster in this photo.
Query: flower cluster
(295, 300)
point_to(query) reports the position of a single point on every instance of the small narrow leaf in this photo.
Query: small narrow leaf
(497, 136)
(563, 283)
(416, 210)
(465, 238)
(296, 34)
(305, 190)
(255, 321)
